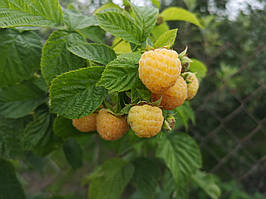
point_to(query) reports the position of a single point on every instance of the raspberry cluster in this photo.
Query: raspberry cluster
(160, 71)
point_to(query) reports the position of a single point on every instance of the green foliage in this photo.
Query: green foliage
(146, 176)
(180, 14)
(159, 30)
(121, 46)
(139, 92)
(183, 114)
(121, 74)
(110, 179)
(15, 13)
(73, 153)
(20, 100)
(167, 39)
(10, 137)
(199, 68)
(99, 53)
(181, 155)
(156, 3)
(40, 83)
(207, 183)
(235, 191)
(146, 18)
(191, 4)
(15, 63)
(38, 135)
(75, 94)
(107, 6)
(120, 25)
(77, 21)
(169, 186)
(63, 128)
(93, 33)
(10, 187)
(56, 59)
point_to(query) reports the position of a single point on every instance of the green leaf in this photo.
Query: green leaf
(73, 153)
(99, 53)
(38, 136)
(93, 33)
(120, 25)
(74, 94)
(15, 63)
(156, 3)
(159, 30)
(207, 183)
(180, 14)
(10, 137)
(181, 117)
(199, 68)
(76, 21)
(146, 18)
(109, 180)
(15, 13)
(167, 39)
(191, 4)
(56, 59)
(40, 83)
(125, 144)
(63, 128)
(10, 188)
(107, 6)
(146, 176)
(20, 100)
(181, 154)
(121, 74)
(139, 92)
(120, 46)
(184, 113)
(174, 190)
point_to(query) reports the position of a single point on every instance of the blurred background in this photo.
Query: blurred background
(230, 108)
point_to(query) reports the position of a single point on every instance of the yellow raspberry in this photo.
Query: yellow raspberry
(109, 126)
(192, 84)
(174, 96)
(159, 69)
(85, 124)
(145, 121)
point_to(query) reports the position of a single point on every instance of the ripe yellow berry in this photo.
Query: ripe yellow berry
(192, 84)
(159, 69)
(174, 96)
(145, 121)
(85, 124)
(109, 126)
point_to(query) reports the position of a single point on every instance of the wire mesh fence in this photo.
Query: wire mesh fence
(231, 126)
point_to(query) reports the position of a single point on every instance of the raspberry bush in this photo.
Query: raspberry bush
(134, 94)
